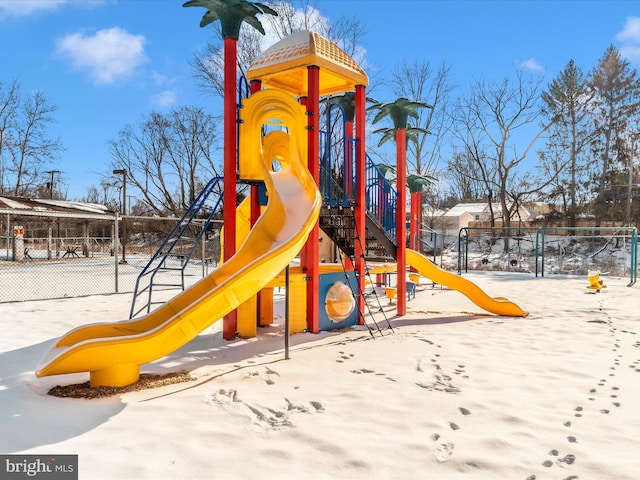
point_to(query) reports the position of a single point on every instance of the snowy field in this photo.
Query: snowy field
(451, 392)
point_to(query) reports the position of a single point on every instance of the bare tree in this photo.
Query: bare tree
(168, 158)
(486, 121)
(107, 194)
(347, 32)
(25, 146)
(420, 82)
(465, 174)
(9, 102)
(291, 19)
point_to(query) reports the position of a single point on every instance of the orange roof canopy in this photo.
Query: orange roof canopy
(284, 65)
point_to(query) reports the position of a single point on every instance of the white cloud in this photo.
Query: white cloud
(629, 38)
(309, 18)
(631, 32)
(25, 8)
(531, 64)
(162, 80)
(631, 52)
(109, 55)
(166, 98)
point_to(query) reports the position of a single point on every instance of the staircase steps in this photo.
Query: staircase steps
(161, 271)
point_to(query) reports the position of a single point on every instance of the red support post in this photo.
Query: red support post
(230, 321)
(312, 247)
(413, 228)
(401, 220)
(361, 204)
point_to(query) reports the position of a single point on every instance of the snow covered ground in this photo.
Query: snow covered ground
(451, 392)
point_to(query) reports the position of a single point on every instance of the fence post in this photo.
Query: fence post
(114, 242)
(18, 243)
(634, 256)
(8, 233)
(466, 249)
(49, 241)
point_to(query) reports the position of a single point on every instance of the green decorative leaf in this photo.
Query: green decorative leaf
(208, 18)
(385, 168)
(400, 110)
(266, 9)
(231, 14)
(388, 134)
(417, 182)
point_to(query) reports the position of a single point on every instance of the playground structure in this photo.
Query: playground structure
(595, 282)
(298, 187)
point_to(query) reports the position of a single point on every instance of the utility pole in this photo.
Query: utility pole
(629, 190)
(51, 182)
(123, 207)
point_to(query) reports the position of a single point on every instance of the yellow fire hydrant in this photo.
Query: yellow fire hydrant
(595, 282)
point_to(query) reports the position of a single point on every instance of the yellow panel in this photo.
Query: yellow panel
(297, 307)
(266, 306)
(247, 312)
(113, 351)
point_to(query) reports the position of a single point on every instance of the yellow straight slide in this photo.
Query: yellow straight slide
(498, 305)
(113, 352)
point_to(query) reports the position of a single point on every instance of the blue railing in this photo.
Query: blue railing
(382, 199)
(338, 179)
(337, 172)
(179, 244)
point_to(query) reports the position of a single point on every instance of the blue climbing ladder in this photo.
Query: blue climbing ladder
(166, 267)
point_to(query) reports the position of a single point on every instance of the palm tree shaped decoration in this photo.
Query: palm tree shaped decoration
(231, 13)
(416, 184)
(347, 101)
(400, 110)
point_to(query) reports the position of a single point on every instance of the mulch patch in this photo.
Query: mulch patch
(146, 381)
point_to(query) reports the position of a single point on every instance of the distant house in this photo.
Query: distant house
(466, 214)
(35, 206)
(76, 223)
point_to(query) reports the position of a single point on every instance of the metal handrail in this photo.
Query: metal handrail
(190, 217)
(540, 233)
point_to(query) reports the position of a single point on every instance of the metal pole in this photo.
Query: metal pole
(633, 145)
(203, 240)
(286, 314)
(123, 172)
(50, 242)
(115, 248)
(124, 213)
(51, 183)
(8, 233)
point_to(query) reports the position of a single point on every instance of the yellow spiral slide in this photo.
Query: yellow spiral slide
(113, 352)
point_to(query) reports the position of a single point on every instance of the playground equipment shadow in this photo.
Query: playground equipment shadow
(30, 421)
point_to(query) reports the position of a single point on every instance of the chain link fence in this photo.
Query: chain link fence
(54, 255)
(562, 250)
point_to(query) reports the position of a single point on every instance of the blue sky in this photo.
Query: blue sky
(108, 63)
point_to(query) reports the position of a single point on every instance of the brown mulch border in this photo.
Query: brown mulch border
(147, 381)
